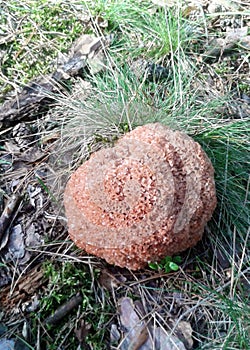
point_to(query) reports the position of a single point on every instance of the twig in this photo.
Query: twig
(8, 213)
(64, 309)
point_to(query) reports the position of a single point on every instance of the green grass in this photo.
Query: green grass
(142, 29)
(125, 106)
(35, 32)
(229, 328)
(123, 102)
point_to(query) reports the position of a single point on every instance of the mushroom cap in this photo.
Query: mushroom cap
(147, 197)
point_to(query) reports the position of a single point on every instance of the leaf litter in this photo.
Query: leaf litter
(140, 333)
(139, 324)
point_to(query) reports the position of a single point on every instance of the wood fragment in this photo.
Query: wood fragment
(24, 289)
(8, 213)
(64, 309)
(37, 97)
(32, 101)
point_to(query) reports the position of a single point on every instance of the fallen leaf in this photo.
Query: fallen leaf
(245, 42)
(114, 334)
(236, 35)
(167, 341)
(218, 46)
(82, 330)
(184, 333)
(86, 44)
(33, 239)
(11, 147)
(136, 332)
(215, 49)
(32, 155)
(107, 280)
(7, 216)
(16, 243)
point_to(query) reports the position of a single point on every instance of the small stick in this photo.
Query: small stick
(8, 213)
(64, 309)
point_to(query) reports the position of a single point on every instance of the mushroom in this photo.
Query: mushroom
(147, 197)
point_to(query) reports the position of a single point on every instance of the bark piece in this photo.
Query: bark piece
(36, 98)
(8, 214)
(64, 309)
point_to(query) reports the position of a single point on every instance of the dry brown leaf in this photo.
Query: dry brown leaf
(96, 63)
(82, 330)
(245, 42)
(136, 330)
(184, 332)
(142, 335)
(16, 248)
(86, 44)
(107, 280)
(167, 341)
(236, 35)
(32, 155)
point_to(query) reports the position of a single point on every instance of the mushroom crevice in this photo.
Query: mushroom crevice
(147, 197)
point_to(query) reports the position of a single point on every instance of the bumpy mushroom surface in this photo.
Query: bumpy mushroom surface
(149, 196)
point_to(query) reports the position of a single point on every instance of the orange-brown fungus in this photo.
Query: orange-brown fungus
(149, 196)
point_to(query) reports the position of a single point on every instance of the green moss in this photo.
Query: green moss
(65, 280)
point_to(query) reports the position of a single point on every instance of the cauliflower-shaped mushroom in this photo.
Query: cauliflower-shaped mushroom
(149, 196)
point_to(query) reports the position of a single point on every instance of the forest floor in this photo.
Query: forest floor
(75, 76)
